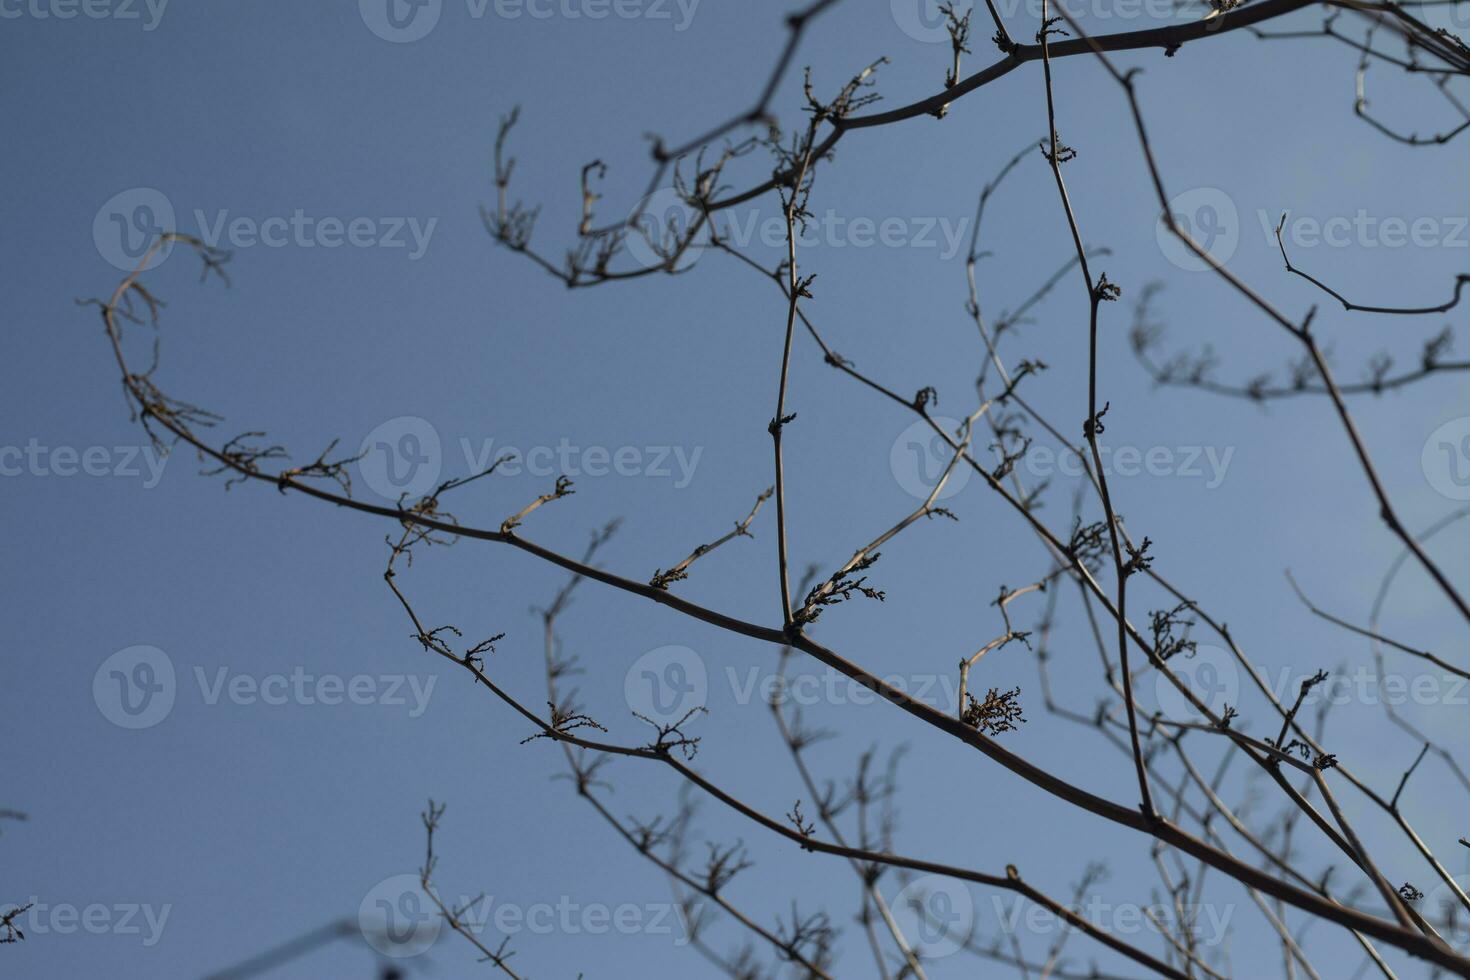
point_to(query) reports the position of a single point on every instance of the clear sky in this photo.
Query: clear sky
(343, 154)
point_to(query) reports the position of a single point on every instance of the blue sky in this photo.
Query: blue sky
(344, 163)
